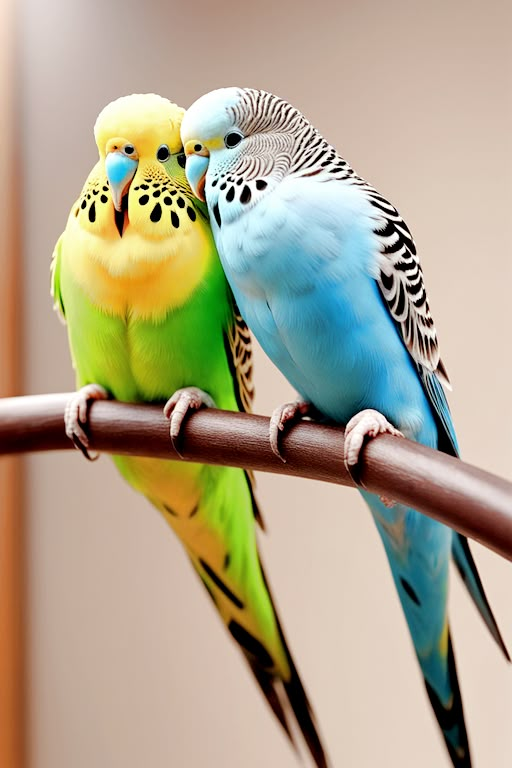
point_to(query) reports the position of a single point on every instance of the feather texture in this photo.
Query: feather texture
(326, 275)
(149, 312)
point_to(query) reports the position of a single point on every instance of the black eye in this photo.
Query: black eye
(163, 153)
(182, 160)
(129, 149)
(232, 138)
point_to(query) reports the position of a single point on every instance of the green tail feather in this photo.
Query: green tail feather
(286, 697)
(297, 700)
(289, 700)
(268, 685)
(305, 717)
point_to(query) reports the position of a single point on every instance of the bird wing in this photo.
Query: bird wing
(400, 281)
(55, 279)
(401, 284)
(237, 341)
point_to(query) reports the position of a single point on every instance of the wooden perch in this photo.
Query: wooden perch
(474, 502)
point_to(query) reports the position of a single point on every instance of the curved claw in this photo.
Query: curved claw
(178, 406)
(76, 416)
(354, 471)
(365, 424)
(282, 415)
(85, 451)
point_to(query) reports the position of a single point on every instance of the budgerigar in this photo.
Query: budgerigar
(325, 273)
(149, 313)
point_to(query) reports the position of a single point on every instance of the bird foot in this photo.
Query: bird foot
(176, 408)
(365, 424)
(283, 415)
(76, 416)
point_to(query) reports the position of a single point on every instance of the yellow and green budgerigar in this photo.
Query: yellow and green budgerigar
(149, 314)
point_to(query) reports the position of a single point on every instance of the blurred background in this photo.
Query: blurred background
(125, 662)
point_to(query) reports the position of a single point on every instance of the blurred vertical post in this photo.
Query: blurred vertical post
(12, 704)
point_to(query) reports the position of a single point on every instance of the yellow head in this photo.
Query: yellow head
(142, 129)
(149, 119)
(137, 193)
(136, 219)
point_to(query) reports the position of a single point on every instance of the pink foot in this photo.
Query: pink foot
(76, 416)
(367, 423)
(282, 416)
(176, 408)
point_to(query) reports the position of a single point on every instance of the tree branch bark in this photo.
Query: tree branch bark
(474, 502)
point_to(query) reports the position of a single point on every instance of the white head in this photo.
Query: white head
(247, 133)
(210, 127)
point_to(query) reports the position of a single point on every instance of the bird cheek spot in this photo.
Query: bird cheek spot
(156, 213)
(245, 197)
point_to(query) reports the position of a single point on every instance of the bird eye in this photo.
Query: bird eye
(163, 153)
(232, 138)
(182, 160)
(128, 149)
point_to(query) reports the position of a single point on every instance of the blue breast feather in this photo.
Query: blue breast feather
(302, 264)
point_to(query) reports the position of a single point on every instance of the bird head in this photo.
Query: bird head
(210, 130)
(245, 133)
(138, 139)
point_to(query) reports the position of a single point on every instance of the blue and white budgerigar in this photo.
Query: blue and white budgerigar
(325, 273)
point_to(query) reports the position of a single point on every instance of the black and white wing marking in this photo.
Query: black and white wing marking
(401, 283)
(237, 342)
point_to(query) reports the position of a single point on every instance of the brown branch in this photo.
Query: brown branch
(474, 502)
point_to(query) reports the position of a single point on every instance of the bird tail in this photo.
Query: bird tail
(418, 551)
(286, 697)
(237, 584)
(447, 443)
(450, 714)
(466, 566)
(304, 715)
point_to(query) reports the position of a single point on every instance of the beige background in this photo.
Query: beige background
(128, 663)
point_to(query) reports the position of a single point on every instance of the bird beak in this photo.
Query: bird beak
(198, 159)
(120, 170)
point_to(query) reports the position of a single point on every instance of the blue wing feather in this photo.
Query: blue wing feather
(447, 440)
